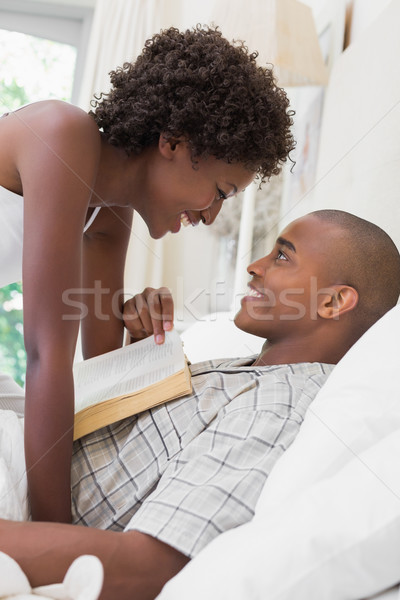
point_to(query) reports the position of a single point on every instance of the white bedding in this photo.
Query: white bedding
(13, 487)
(327, 524)
(83, 581)
(84, 578)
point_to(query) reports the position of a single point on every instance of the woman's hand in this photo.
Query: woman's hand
(151, 312)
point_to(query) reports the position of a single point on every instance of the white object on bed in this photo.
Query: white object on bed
(83, 581)
(216, 336)
(327, 524)
(13, 485)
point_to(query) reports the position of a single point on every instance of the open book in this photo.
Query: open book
(127, 381)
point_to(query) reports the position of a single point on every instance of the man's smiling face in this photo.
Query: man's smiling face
(287, 283)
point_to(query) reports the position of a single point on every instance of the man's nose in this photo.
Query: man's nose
(259, 266)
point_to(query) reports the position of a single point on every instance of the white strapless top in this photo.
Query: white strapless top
(11, 235)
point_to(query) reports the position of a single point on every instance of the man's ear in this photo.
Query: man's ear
(336, 301)
(168, 146)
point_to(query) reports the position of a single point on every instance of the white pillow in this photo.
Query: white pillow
(327, 524)
(13, 484)
(216, 336)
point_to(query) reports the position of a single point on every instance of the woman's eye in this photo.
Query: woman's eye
(221, 195)
(281, 255)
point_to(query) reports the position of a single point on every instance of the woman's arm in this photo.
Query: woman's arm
(104, 253)
(56, 149)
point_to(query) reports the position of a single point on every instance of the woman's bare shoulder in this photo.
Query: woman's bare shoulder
(52, 116)
(65, 128)
(69, 131)
(47, 119)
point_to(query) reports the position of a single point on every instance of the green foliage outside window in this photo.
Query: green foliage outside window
(12, 95)
(12, 351)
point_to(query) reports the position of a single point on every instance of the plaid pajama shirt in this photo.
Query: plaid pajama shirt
(188, 470)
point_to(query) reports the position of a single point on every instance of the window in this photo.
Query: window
(42, 50)
(58, 21)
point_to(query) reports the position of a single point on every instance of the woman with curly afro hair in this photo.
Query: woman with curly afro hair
(198, 87)
(190, 123)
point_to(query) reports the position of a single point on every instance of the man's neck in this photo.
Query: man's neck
(294, 351)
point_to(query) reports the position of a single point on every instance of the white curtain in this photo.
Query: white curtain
(119, 30)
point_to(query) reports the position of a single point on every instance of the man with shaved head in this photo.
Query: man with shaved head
(372, 261)
(166, 482)
(329, 277)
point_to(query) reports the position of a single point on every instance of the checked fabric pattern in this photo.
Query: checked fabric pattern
(188, 470)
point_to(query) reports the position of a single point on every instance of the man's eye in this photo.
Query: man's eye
(281, 255)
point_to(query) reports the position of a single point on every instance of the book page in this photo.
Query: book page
(127, 369)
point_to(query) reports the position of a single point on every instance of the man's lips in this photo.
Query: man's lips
(253, 293)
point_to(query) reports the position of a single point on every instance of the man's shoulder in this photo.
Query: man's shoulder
(315, 371)
(300, 379)
(292, 384)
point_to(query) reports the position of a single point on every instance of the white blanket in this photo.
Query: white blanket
(83, 581)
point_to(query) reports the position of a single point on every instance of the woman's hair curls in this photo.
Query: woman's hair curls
(197, 85)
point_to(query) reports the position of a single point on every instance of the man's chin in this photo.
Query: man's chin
(247, 326)
(236, 319)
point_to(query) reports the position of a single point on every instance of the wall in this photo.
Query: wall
(363, 14)
(359, 164)
(358, 167)
(357, 142)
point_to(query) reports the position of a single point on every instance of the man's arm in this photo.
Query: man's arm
(135, 565)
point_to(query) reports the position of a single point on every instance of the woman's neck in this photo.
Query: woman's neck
(119, 177)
